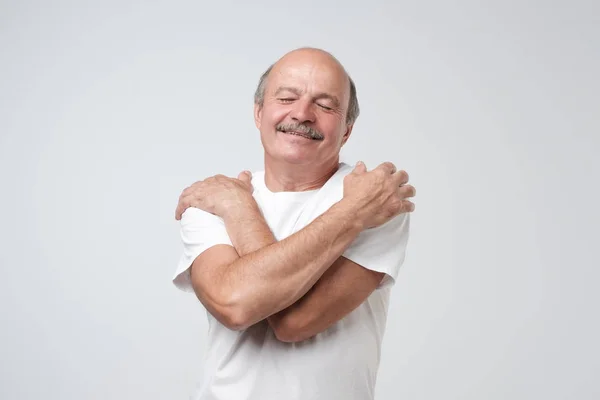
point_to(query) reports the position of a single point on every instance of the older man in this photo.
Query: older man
(295, 263)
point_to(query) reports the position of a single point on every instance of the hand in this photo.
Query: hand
(379, 195)
(217, 195)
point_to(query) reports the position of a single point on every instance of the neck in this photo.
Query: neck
(285, 177)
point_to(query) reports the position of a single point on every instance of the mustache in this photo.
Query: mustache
(301, 128)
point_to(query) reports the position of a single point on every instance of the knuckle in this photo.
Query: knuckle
(404, 175)
(379, 172)
(393, 205)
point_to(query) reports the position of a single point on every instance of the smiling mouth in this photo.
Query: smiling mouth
(304, 135)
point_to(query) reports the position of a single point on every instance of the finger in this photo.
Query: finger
(408, 206)
(245, 176)
(185, 203)
(178, 212)
(360, 168)
(185, 193)
(407, 191)
(388, 167)
(190, 189)
(401, 177)
(181, 207)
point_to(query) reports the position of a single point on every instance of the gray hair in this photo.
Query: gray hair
(353, 108)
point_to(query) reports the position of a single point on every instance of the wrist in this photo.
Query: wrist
(247, 229)
(242, 212)
(349, 215)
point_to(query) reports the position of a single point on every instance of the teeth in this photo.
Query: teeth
(300, 134)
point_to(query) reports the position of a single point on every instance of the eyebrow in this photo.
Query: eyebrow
(295, 91)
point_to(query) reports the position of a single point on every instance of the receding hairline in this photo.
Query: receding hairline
(309, 50)
(353, 106)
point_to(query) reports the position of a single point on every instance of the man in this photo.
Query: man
(294, 264)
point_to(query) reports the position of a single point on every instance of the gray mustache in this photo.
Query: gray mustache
(307, 130)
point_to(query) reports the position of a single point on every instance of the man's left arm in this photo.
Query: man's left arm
(371, 262)
(343, 287)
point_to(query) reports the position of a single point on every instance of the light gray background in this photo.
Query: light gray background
(109, 109)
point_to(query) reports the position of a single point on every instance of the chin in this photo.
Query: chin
(295, 157)
(291, 155)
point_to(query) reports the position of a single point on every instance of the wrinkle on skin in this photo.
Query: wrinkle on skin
(310, 87)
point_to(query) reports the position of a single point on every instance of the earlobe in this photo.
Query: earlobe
(347, 134)
(257, 115)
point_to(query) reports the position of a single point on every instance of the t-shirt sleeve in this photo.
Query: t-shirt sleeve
(200, 230)
(383, 248)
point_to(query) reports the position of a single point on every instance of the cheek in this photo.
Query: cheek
(334, 130)
(275, 114)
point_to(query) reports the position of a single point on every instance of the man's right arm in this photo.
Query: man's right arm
(241, 291)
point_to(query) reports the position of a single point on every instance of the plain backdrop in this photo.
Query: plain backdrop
(109, 109)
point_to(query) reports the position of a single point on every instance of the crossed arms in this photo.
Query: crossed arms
(301, 285)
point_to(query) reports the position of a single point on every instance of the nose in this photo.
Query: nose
(303, 112)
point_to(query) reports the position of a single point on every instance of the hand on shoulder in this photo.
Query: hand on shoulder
(217, 195)
(378, 195)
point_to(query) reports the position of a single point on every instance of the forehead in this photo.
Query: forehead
(310, 76)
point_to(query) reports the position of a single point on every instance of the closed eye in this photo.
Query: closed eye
(286, 100)
(325, 107)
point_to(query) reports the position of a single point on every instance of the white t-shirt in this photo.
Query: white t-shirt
(339, 363)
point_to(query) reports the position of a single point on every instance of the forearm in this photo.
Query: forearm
(269, 275)
(248, 230)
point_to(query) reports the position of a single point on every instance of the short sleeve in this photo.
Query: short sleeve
(200, 230)
(382, 249)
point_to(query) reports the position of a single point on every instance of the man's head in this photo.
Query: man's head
(305, 106)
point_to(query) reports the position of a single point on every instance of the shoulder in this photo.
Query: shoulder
(343, 170)
(199, 227)
(197, 217)
(389, 234)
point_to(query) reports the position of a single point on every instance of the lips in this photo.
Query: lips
(296, 133)
(306, 135)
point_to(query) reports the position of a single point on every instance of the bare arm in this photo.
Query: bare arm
(342, 288)
(240, 291)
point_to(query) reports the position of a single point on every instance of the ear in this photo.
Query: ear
(347, 133)
(257, 115)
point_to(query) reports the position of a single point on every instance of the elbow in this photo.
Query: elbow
(289, 330)
(234, 318)
(226, 306)
(232, 312)
(288, 337)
